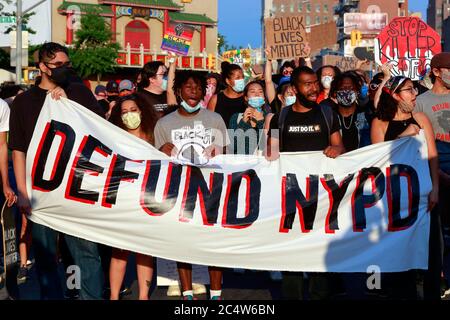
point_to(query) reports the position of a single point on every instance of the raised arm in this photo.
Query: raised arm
(171, 96)
(270, 87)
(386, 68)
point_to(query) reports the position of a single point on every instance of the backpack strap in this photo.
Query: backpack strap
(281, 120)
(328, 115)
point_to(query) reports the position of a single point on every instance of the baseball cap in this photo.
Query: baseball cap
(112, 86)
(100, 89)
(125, 85)
(441, 60)
(394, 83)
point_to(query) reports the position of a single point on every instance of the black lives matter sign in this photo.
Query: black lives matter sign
(286, 37)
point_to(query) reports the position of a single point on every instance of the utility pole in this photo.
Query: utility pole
(19, 17)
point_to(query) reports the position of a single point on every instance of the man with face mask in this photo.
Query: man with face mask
(435, 103)
(56, 73)
(305, 126)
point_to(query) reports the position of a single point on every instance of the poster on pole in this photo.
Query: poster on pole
(408, 44)
(286, 37)
(177, 38)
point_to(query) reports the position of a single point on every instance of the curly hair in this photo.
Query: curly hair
(183, 76)
(149, 116)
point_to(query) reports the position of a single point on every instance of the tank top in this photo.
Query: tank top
(226, 107)
(396, 128)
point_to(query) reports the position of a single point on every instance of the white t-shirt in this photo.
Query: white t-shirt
(4, 116)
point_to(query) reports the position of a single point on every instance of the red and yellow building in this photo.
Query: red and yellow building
(138, 26)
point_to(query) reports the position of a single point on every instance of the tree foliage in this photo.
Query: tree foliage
(94, 53)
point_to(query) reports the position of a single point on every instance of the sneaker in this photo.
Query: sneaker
(218, 298)
(29, 264)
(198, 288)
(22, 275)
(174, 290)
(188, 297)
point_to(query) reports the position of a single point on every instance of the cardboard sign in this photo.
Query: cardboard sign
(322, 36)
(241, 57)
(408, 44)
(366, 23)
(177, 38)
(286, 37)
(343, 63)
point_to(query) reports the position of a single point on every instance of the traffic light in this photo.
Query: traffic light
(211, 61)
(356, 37)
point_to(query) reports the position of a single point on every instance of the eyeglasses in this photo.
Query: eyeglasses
(59, 64)
(411, 90)
(374, 86)
(287, 73)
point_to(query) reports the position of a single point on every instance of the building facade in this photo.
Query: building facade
(138, 26)
(438, 17)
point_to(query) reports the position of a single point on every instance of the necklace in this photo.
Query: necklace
(351, 121)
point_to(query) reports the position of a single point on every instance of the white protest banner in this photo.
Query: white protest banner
(303, 212)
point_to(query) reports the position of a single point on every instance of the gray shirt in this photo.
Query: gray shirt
(437, 108)
(191, 135)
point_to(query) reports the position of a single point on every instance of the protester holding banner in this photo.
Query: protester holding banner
(436, 105)
(56, 73)
(353, 119)
(173, 137)
(248, 125)
(231, 100)
(131, 115)
(326, 74)
(305, 126)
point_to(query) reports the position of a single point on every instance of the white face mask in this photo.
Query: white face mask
(290, 100)
(326, 81)
(132, 120)
(446, 77)
(239, 85)
(190, 109)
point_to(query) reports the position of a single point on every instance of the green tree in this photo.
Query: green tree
(5, 63)
(94, 53)
(25, 19)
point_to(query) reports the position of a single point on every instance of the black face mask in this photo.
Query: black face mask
(62, 76)
(305, 102)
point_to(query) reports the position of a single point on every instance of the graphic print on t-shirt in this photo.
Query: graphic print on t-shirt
(443, 117)
(191, 143)
(305, 129)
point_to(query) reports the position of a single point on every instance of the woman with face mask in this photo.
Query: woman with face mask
(326, 74)
(231, 100)
(354, 120)
(395, 120)
(251, 119)
(131, 115)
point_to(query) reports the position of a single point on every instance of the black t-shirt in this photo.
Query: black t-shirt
(349, 131)
(306, 131)
(104, 105)
(27, 106)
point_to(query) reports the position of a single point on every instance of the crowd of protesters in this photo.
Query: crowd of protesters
(344, 111)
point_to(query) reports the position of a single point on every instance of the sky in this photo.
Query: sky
(240, 20)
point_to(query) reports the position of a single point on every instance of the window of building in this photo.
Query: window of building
(292, 7)
(308, 20)
(318, 8)
(325, 8)
(439, 12)
(300, 7)
(317, 20)
(308, 7)
(325, 19)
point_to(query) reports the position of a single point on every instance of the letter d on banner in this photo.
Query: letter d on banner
(67, 135)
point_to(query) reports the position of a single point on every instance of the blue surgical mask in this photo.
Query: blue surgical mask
(364, 91)
(239, 85)
(190, 109)
(290, 100)
(164, 85)
(256, 102)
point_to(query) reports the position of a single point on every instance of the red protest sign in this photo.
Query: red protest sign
(408, 44)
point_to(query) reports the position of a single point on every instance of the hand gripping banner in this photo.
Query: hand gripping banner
(303, 212)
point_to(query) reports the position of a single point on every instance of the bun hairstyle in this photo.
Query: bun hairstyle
(228, 69)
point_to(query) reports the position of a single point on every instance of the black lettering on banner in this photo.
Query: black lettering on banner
(81, 166)
(253, 195)
(394, 173)
(293, 199)
(335, 194)
(209, 198)
(173, 179)
(361, 201)
(116, 174)
(67, 134)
